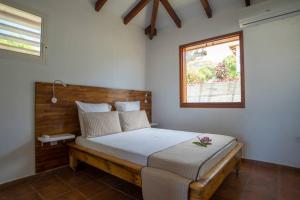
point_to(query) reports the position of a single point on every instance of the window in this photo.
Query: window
(20, 31)
(212, 73)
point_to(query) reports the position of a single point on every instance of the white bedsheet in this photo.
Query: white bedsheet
(136, 146)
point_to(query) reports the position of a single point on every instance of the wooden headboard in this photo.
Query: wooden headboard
(62, 117)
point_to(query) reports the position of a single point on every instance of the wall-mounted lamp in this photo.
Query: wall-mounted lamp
(146, 98)
(54, 99)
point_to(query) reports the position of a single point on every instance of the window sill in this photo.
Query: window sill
(212, 105)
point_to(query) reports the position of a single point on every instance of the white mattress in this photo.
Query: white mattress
(136, 146)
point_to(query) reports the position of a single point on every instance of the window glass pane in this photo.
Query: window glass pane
(20, 31)
(213, 72)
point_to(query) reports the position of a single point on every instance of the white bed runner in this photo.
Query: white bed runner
(187, 159)
(170, 171)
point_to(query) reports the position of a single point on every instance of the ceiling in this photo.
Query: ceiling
(185, 9)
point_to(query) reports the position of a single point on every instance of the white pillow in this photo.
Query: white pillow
(90, 107)
(133, 120)
(128, 106)
(98, 124)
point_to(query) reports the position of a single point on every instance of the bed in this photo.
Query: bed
(126, 154)
(62, 117)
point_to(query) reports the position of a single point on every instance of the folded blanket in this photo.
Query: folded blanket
(178, 165)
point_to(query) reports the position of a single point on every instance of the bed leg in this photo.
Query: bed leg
(73, 162)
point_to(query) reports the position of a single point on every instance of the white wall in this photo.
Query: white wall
(85, 48)
(270, 124)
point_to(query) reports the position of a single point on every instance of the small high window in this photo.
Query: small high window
(20, 31)
(212, 73)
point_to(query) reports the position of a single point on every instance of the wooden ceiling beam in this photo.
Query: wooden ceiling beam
(248, 2)
(207, 8)
(141, 4)
(154, 17)
(99, 4)
(148, 29)
(171, 12)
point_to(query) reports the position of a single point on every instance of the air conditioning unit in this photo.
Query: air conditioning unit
(268, 11)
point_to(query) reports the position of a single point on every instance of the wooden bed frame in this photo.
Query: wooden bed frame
(62, 117)
(202, 189)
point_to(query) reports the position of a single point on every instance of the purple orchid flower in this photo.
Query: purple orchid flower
(204, 141)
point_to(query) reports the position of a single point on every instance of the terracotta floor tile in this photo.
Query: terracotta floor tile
(17, 189)
(14, 184)
(289, 178)
(236, 181)
(92, 188)
(247, 165)
(73, 195)
(131, 190)
(110, 194)
(42, 178)
(215, 197)
(289, 194)
(74, 179)
(257, 181)
(266, 170)
(19, 192)
(50, 186)
(228, 193)
(261, 188)
(252, 195)
(28, 195)
(111, 180)
(64, 172)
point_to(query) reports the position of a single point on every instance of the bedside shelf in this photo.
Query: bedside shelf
(56, 138)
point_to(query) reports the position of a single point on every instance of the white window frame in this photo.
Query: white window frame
(7, 54)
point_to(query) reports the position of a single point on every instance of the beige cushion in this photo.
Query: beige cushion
(90, 107)
(133, 120)
(101, 123)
